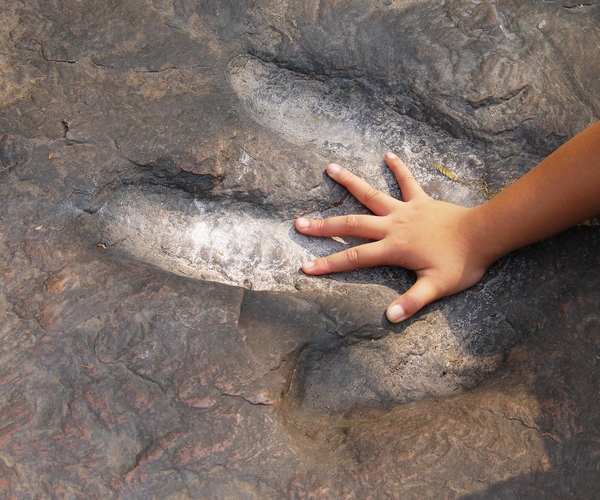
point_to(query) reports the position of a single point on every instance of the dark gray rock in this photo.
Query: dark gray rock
(157, 336)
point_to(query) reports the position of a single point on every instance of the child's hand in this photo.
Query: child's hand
(431, 237)
(449, 246)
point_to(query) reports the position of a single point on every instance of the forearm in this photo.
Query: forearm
(561, 191)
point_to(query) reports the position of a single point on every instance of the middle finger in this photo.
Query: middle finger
(359, 226)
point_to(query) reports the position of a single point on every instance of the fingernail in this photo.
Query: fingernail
(302, 223)
(308, 265)
(390, 155)
(395, 313)
(333, 169)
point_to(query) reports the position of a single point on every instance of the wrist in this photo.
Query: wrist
(484, 235)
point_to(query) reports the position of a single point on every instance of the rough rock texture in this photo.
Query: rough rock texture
(157, 339)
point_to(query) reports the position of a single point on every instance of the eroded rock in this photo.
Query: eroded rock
(150, 149)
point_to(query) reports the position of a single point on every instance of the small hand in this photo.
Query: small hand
(432, 238)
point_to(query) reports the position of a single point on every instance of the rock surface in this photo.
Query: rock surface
(157, 337)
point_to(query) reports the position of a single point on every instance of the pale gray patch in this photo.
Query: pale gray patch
(427, 360)
(343, 123)
(230, 242)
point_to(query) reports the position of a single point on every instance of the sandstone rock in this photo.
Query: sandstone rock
(158, 338)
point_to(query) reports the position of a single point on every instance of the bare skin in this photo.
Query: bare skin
(449, 246)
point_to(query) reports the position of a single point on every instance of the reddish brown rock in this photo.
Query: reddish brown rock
(134, 366)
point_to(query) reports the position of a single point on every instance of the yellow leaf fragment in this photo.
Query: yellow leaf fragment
(443, 170)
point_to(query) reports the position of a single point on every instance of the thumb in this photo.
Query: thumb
(416, 297)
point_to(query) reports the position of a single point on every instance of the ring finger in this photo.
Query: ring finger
(367, 255)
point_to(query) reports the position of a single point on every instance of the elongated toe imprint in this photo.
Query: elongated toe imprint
(231, 242)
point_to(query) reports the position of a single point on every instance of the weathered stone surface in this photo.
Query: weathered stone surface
(157, 337)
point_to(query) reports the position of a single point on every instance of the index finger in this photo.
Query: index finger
(409, 187)
(375, 200)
